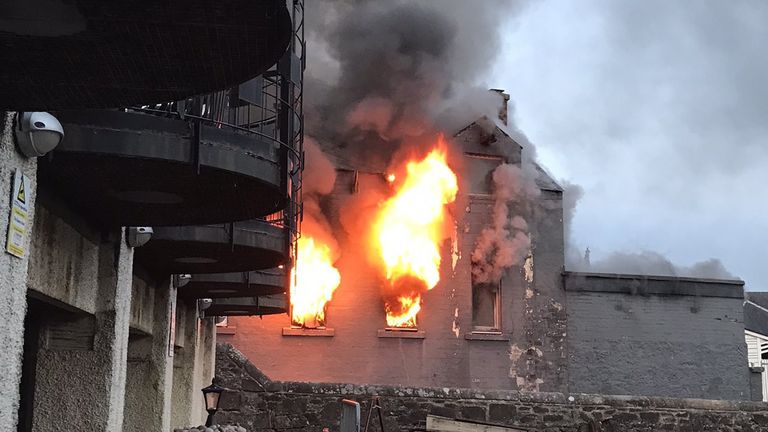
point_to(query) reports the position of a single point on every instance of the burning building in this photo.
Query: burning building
(449, 264)
(453, 276)
(449, 254)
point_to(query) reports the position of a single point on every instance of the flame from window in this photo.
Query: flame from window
(313, 281)
(408, 230)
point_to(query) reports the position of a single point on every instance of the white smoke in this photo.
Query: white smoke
(506, 241)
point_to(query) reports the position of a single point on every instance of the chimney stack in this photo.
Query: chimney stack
(503, 110)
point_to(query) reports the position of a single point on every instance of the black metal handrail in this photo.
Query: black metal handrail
(270, 107)
(225, 109)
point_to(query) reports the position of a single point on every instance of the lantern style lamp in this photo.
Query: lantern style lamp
(211, 395)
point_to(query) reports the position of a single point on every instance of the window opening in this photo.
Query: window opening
(486, 310)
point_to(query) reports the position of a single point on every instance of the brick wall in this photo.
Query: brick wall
(257, 403)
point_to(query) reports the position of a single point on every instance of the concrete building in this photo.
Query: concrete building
(202, 141)
(542, 329)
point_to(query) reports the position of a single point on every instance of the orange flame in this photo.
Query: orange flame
(408, 230)
(313, 281)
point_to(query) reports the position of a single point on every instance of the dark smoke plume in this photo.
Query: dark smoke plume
(382, 75)
(385, 75)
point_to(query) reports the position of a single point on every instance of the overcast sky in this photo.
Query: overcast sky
(659, 110)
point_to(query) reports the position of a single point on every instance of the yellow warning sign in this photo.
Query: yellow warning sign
(22, 195)
(18, 225)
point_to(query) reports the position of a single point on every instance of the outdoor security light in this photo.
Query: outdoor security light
(204, 303)
(179, 280)
(138, 236)
(211, 394)
(37, 133)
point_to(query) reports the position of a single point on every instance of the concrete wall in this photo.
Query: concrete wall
(78, 279)
(150, 364)
(80, 373)
(142, 304)
(530, 352)
(64, 256)
(13, 274)
(192, 365)
(259, 404)
(657, 337)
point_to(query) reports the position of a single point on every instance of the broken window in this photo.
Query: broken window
(486, 310)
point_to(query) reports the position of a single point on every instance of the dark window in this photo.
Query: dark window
(486, 311)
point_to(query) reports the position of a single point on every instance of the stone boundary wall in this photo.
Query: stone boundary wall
(259, 404)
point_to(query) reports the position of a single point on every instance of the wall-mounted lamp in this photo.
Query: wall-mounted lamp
(37, 133)
(179, 280)
(138, 236)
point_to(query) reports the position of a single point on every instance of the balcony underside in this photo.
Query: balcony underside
(248, 306)
(132, 169)
(102, 54)
(252, 245)
(246, 284)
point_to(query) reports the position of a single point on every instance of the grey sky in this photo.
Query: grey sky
(659, 110)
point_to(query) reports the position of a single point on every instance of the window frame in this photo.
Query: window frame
(498, 326)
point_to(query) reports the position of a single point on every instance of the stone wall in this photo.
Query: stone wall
(258, 404)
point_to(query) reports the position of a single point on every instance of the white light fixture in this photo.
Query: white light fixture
(37, 133)
(179, 280)
(204, 303)
(138, 236)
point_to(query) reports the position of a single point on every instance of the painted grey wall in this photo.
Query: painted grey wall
(653, 345)
(13, 276)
